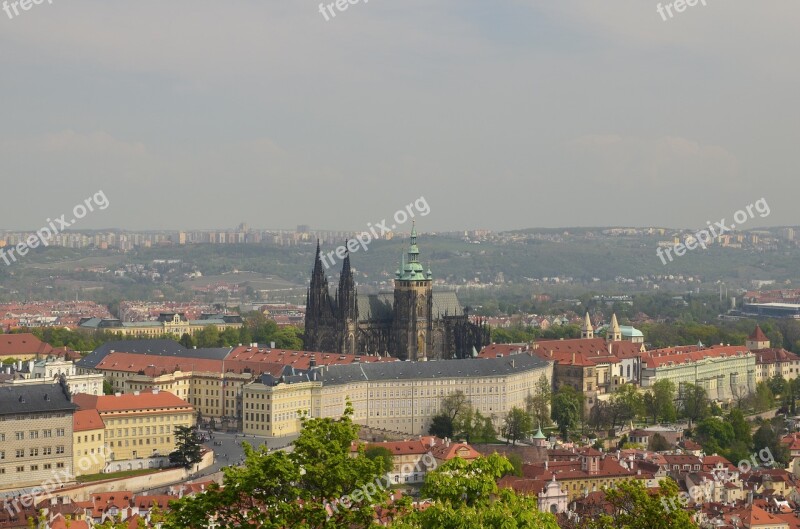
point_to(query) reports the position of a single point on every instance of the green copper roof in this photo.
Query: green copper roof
(539, 434)
(412, 270)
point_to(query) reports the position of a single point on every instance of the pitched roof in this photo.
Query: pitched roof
(145, 400)
(462, 368)
(34, 398)
(758, 335)
(85, 420)
(23, 344)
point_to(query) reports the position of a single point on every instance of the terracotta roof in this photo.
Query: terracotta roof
(85, 420)
(448, 451)
(23, 344)
(758, 335)
(152, 365)
(145, 400)
(497, 350)
(774, 356)
(398, 448)
(690, 354)
(297, 359)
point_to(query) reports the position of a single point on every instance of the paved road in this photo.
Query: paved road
(231, 452)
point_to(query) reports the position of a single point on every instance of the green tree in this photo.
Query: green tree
(633, 506)
(714, 435)
(208, 336)
(108, 389)
(187, 448)
(187, 341)
(628, 403)
(537, 405)
(767, 438)
(764, 398)
(473, 427)
(441, 426)
(694, 402)
(516, 426)
(466, 496)
(320, 485)
(381, 454)
(778, 385)
(658, 443)
(567, 409)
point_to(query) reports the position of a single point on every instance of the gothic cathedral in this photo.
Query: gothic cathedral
(413, 323)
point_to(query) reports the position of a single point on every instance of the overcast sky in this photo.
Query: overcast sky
(503, 114)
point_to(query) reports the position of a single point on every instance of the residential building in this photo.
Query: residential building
(35, 434)
(88, 446)
(771, 361)
(139, 427)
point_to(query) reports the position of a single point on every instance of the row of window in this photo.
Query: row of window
(34, 452)
(34, 434)
(146, 430)
(128, 442)
(34, 468)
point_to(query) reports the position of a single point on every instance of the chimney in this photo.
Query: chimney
(155, 391)
(272, 345)
(136, 393)
(117, 394)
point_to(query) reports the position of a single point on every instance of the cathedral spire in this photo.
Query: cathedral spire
(412, 270)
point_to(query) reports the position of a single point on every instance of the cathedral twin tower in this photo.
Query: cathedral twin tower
(412, 323)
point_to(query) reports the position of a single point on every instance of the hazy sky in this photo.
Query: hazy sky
(503, 114)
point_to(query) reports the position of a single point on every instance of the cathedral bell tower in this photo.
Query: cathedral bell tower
(413, 307)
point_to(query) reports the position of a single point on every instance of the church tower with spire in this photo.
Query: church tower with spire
(320, 329)
(413, 307)
(347, 310)
(588, 330)
(614, 334)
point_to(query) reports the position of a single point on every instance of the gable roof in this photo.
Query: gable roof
(145, 400)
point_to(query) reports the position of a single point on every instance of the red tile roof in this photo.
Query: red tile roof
(84, 420)
(758, 335)
(23, 344)
(145, 400)
(690, 354)
(297, 359)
